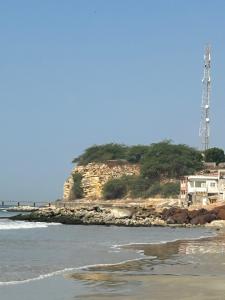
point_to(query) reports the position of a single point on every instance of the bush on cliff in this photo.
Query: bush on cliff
(77, 187)
(137, 186)
(114, 189)
(102, 153)
(136, 153)
(214, 155)
(157, 160)
(170, 189)
(164, 190)
(131, 186)
(153, 190)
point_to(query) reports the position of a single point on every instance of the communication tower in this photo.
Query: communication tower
(204, 131)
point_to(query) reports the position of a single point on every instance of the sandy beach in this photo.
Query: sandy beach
(184, 269)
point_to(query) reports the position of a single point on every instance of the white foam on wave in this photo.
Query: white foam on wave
(85, 268)
(40, 277)
(12, 225)
(67, 270)
(120, 246)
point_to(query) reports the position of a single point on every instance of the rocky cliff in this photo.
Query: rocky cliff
(95, 175)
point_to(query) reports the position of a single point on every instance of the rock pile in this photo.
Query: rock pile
(130, 216)
(96, 215)
(193, 217)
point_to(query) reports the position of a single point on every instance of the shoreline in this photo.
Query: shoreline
(156, 247)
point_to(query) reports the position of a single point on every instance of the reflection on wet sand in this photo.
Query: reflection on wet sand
(166, 250)
(194, 268)
(97, 277)
(163, 287)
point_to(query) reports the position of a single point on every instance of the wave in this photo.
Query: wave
(40, 277)
(120, 246)
(12, 225)
(90, 267)
(66, 270)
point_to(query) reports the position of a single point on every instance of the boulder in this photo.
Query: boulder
(221, 214)
(175, 216)
(203, 219)
(197, 212)
(217, 224)
(121, 213)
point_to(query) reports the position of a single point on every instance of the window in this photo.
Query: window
(200, 184)
(212, 184)
(192, 184)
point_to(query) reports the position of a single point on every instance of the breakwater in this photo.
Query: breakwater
(127, 216)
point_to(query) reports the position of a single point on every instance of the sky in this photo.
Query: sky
(75, 73)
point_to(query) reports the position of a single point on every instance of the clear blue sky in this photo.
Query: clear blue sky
(75, 73)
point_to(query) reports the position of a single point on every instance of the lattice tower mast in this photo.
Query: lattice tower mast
(204, 131)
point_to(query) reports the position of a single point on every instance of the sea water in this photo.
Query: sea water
(39, 260)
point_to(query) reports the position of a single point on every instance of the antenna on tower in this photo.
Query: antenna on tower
(204, 131)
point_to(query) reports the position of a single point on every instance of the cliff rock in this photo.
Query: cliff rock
(95, 175)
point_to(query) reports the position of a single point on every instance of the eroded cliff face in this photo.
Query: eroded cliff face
(95, 175)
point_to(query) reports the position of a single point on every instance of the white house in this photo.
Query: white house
(203, 186)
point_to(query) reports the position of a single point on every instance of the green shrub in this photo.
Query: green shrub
(166, 190)
(137, 186)
(77, 187)
(133, 186)
(153, 190)
(170, 189)
(115, 189)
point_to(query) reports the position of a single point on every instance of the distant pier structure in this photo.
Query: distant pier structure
(204, 131)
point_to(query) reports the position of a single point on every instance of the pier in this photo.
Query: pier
(7, 204)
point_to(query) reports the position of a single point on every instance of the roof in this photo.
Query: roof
(205, 176)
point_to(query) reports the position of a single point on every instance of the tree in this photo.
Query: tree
(136, 153)
(214, 155)
(171, 161)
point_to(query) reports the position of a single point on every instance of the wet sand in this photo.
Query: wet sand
(185, 269)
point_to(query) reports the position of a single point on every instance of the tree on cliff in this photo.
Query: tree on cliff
(168, 160)
(136, 153)
(214, 155)
(157, 160)
(101, 153)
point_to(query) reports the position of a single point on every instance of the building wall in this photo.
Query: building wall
(209, 186)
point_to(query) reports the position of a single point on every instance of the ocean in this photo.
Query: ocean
(64, 262)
